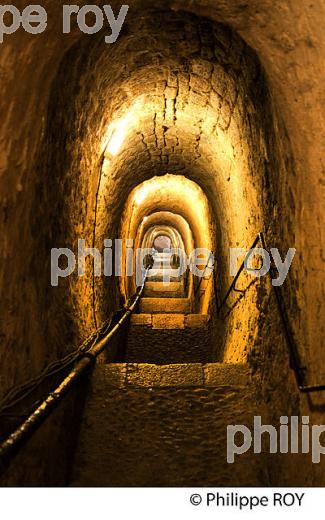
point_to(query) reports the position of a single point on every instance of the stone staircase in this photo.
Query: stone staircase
(155, 288)
(160, 418)
(165, 330)
(169, 338)
(150, 425)
(165, 306)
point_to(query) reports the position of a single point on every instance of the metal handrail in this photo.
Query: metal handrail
(233, 284)
(203, 273)
(12, 445)
(295, 361)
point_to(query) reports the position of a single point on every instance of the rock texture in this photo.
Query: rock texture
(169, 338)
(226, 94)
(146, 425)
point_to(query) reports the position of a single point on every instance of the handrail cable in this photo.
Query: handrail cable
(211, 256)
(295, 361)
(12, 445)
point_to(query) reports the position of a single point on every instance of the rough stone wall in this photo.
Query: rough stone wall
(37, 325)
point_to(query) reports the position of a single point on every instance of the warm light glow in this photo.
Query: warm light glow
(140, 195)
(118, 136)
(118, 129)
(173, 193)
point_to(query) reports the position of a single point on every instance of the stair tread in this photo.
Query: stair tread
(159, 289)
(148, 425)
(121, 375)
(165, 305)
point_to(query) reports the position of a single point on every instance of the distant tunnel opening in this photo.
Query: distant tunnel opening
(162, 242)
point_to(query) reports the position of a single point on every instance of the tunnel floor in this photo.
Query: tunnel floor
(149, 425)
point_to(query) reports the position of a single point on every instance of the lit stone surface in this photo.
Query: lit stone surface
(179, 423)
(165, 305)
(227, 96)
(168, 321)
(170, 338)
(167, 427)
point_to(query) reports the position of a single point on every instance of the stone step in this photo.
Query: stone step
(162, 255)
(169, 338)
(165, 305)
(161, 275)
(164, 290)
(149, 425)
(162, 262)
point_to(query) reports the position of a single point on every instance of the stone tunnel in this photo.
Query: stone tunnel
(199, 128)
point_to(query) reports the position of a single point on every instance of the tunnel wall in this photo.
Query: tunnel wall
(36, 326)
